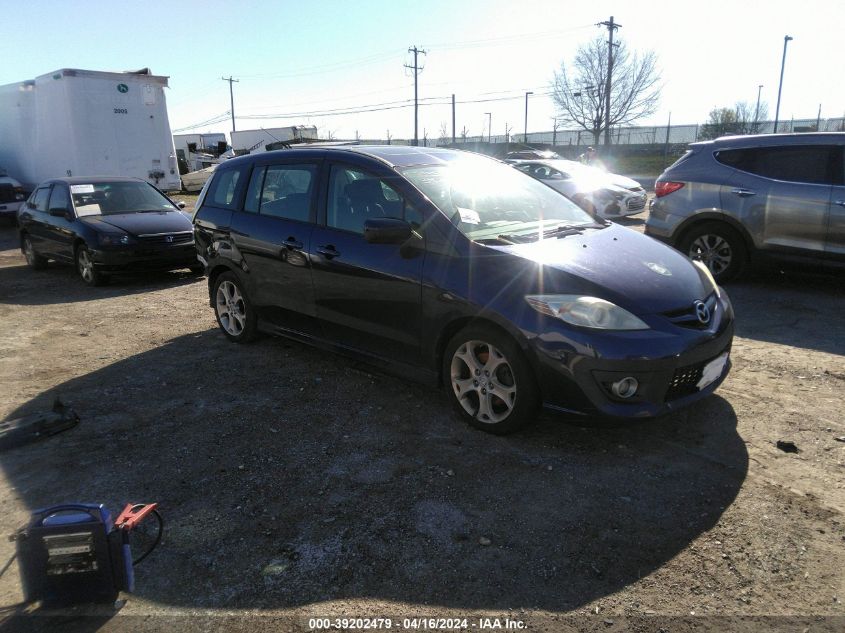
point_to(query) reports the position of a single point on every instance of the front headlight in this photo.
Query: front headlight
(113, 240)
(584, 311)
(703, 268)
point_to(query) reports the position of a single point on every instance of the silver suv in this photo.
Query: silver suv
(738, 199)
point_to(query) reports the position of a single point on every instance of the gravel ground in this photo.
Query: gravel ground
(296, 483)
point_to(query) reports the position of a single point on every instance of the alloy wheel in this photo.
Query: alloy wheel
(713, 251)
(28, 251)
(231, 309)
(483, 381)
(85, 265)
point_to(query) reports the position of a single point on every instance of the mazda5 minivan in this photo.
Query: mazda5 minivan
(740, 200)
(458, 268)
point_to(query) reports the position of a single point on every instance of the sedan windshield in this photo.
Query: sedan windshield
(111, 198)
(488, 200)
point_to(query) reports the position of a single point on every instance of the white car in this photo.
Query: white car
(11, 196)
(608, 195)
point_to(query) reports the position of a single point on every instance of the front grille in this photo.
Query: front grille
(166, 239)
(684, 382)
(686, 317)
(636, 203)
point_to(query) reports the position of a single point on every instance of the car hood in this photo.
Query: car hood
(618, 264)
(141, 223)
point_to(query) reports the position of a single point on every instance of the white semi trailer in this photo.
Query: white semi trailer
(88, 123)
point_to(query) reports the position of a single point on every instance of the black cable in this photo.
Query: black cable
(158, 537)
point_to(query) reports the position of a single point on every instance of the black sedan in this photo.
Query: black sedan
(105, 226)
(458, 268)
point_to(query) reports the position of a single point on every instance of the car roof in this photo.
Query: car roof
(92, 180)
(392, 155)
(768, 140)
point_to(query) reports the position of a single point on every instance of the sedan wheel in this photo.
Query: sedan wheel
(85, 266)
(491, 384)
(234, 312)
(33, 259)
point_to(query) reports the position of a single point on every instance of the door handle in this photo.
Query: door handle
(841, 203)
(328, 251)
(293, 244)
(743, 193)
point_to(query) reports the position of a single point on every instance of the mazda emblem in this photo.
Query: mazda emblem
(701, 311)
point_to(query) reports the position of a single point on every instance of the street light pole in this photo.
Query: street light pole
(489, 126)
(525, 136)
(757, 111)
(786, 39)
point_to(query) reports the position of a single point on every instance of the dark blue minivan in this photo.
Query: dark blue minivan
(455, 267)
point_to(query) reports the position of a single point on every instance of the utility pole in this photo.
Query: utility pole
(416, 51)
(489, 127)
(453, 118)
(525, 136)
(757, 111)
(786, 39)
(666, 145)
(819, 118)
(231, 97)
(611, 27)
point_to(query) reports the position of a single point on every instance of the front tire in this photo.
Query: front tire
(235, 314)
(33, 259)
(489, 381)
(86, 269)
(717, 246)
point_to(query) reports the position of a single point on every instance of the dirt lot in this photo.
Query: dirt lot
(297, 484)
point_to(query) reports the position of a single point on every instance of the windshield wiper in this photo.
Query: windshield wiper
(517, 239)
(571, 229)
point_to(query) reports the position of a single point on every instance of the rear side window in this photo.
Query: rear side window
(224, 188)
(813, 164)
(282, 191)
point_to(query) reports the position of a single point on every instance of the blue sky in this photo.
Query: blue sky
(296, 58)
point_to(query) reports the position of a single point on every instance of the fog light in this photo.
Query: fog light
(625, 388)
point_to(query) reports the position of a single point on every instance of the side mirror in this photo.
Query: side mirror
(386, 231)
(59, 212)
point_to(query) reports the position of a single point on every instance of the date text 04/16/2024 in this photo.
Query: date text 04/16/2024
(415, 624)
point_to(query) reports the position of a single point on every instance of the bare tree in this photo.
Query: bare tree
(579, 89)
(444, 134)
(737, 120)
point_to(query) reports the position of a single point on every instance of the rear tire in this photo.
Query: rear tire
(33, 259)
(718, 246)
(489, 380)
(235, 315)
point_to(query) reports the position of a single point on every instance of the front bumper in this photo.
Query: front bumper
(133, 259)
(10, 209)
(578, 381)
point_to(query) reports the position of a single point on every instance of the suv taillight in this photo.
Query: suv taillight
(664, 188)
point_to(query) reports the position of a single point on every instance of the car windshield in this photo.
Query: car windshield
(488, 200)
(111, 198)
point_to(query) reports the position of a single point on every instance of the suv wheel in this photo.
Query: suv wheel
(234, 312)
(717, 246)
(490, 383)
